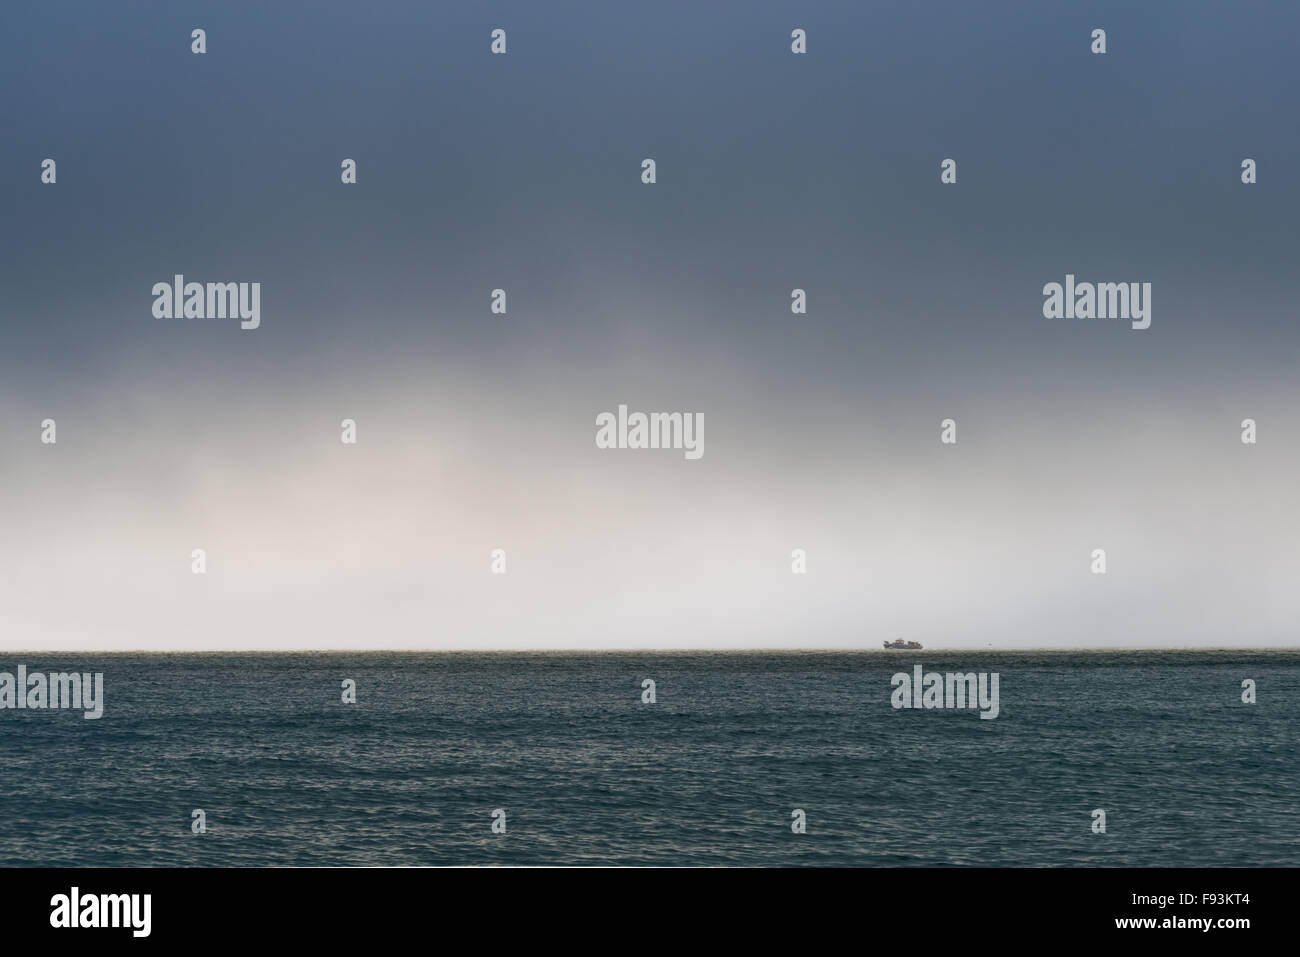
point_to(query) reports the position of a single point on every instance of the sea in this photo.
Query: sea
(742, 759)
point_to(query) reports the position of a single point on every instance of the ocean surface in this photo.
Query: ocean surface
(709, 774)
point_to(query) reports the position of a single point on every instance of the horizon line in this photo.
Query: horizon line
(628, 651)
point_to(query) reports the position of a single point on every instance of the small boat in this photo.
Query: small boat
(898, 644)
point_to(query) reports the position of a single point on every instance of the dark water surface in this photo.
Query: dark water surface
(587, 774)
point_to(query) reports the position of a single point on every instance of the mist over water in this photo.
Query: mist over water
(709, 774)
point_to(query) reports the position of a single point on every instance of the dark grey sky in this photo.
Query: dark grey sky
(775, 171)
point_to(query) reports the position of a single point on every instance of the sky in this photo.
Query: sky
(522, 171)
